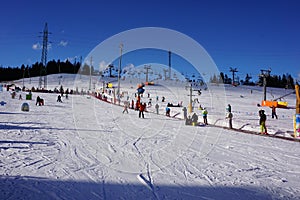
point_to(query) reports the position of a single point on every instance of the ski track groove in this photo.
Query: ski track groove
(253, 159)
(81, 159)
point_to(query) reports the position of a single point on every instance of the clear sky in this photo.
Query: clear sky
(245, 34)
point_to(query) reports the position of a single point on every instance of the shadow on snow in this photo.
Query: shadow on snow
(25, 187)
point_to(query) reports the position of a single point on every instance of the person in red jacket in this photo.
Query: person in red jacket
(142, 109)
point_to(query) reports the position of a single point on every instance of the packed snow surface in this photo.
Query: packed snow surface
(85, 148)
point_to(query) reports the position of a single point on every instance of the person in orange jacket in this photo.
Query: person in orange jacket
(142, 109)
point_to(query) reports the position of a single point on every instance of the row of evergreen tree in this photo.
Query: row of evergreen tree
(284, 81)
(56, 67)
(37, 69)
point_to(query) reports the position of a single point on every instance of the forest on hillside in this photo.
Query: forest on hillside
(37, 69)
(56, 67)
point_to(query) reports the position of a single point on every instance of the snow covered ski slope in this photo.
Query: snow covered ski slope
(85, 148)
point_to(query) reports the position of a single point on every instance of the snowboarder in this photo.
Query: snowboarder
(274, 112)
(204, 115)
(262, 122)
(184, 113)
(229, 117)
(157, 108)
(20, 97)
(163, 99)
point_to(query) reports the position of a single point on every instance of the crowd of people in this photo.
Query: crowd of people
(190, 119)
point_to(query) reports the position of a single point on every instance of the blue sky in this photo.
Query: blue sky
(247, 35)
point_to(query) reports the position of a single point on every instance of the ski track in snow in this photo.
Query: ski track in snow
(84, 148)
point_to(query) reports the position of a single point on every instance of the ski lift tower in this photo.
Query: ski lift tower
(264, 74)
(297, 115)
(190, 106)
(297, 88)
(119, 73)
(147, 68)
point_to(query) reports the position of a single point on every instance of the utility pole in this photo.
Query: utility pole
(23, 77)
(147, 67)
(119, 72)
(91, 64)
(79, 70)
(233, 73)
(169, 64)
(103, 86)
(29, 75)
(43, 70)
(264, 74)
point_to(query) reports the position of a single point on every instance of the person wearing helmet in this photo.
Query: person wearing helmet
(262, 122)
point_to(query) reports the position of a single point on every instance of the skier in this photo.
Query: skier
(156, 108)
(150, 102)
(188, 121)
(59, 99)
(142, 109)
(37, 100)
(204, 115)
(200, 107)
(228, 109)
(125, 107)
(229, 117)
(262, 122)
(274, 112)
(137, 105)
(194, 119)
(168, 110)
(184, 113)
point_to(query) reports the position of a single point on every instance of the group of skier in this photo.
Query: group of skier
(193, 119)
(40, 101)
(139, 106)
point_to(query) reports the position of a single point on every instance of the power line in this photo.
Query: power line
(170, 65)
(43, 70)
